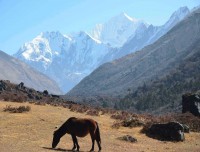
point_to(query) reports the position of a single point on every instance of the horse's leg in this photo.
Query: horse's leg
(77, 144)
(97, 137)
(74, 142)
(99, 145)
(93, 140)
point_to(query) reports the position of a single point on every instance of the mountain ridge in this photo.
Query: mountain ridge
(69, 58)
(134, 70)
(16, 71)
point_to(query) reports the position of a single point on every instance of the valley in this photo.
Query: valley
(138, 76)
(32, 131)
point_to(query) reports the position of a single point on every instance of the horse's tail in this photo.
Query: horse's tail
(97, 133)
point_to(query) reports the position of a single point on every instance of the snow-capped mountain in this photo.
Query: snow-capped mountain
(69, 58)
(17, 71)
(117, 30)
(42, 50)
(171, 60)
(148, 35)
(66, 59)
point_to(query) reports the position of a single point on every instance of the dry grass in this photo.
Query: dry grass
(19, 109)
(33, 131)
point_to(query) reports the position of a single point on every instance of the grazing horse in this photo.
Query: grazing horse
(78, 127)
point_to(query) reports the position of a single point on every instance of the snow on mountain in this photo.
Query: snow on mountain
(41, 51)
(69, 58)
(17, 71)
(117, 30)
(66, 59)
(148, 35)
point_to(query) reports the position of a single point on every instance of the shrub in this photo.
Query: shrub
(121, 115)
(19, 109)
(93, 112)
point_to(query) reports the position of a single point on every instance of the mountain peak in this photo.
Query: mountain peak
(181, 12)
(123, 14)
(48, 34)
(177, 16)
(124, 17)
(117, 30)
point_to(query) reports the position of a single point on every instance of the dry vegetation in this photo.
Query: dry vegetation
(32, 131)
(19, 109)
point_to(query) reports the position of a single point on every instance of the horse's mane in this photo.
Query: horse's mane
(64, 125)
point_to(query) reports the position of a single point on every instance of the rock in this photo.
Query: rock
(191, 103)
(45, 93)
(186, 128)
(128, 138)
(172, 131)
(20, 86)
(55, 96)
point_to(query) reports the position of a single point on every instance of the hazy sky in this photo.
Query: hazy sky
(22, 20)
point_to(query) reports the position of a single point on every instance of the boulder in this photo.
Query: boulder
(191, 103)
(128, 138)
(171, 131)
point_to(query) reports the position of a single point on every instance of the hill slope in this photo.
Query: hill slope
(148, 35)
(130, 72)
(164, 94)
(67, 59)
(17, 71)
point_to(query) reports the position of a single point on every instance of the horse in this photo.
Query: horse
(78, 127)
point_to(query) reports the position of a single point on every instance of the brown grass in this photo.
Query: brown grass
(33, 131)
(19, 109)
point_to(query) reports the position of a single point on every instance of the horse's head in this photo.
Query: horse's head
(56, 139)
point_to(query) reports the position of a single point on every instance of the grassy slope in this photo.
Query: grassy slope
(32, 132)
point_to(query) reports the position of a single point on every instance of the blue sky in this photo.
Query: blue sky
(22, 20)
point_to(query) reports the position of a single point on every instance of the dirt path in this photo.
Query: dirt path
(32, 132)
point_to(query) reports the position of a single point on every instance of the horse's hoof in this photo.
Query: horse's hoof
(73, 149)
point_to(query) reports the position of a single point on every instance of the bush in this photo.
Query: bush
(93, 112)
(121, 115)
(19, 109)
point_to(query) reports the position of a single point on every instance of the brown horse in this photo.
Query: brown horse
(78, 127)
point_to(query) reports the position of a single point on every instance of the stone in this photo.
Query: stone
(191, 103)
(128, 138)
(171, 131)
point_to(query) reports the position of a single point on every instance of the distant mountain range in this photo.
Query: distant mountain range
(69, 58)
(66, 59)
(118, 29)
(139, 78)
(16, 72)
(148, 35)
